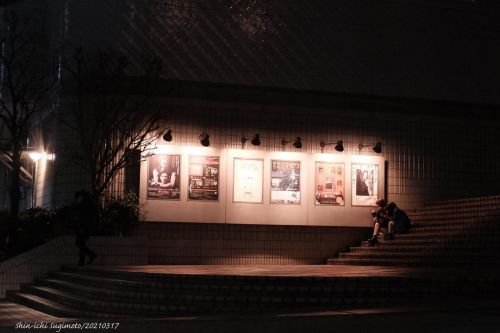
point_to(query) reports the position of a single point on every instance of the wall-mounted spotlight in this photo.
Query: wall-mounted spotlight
(297, 143)
(168, 135)
(339, 145)
(377, 148)
(204, 139)
(255, 140)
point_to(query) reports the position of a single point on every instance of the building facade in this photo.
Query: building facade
(321, 71)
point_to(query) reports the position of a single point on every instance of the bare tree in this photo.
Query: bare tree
(111, 115)
(26, 83)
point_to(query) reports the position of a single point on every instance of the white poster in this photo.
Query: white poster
(285, 182)
(248, 180)
(364, 184)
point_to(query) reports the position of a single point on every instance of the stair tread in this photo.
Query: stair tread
(53, 304)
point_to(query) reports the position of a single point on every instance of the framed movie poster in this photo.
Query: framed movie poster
(329, 185)
(248, 180)
(164, 177)
(364, 184)
(203, 178)
(285, 182)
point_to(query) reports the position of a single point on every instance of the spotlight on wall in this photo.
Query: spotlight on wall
(255, 140)
(297, 143)
(168, 135)
(204, 139)
(376, 148)
(339, 145)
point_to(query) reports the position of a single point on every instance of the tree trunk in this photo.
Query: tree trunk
(15, 194)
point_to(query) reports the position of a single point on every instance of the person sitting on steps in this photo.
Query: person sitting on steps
(380, 220)
(399, 221)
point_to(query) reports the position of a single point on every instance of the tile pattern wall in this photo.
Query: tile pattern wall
(193, 243)
(427, 158)
(62, 251)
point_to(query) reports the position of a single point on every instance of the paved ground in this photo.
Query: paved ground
(303, 270)
(459, 317)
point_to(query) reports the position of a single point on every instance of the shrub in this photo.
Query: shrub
(120, 214)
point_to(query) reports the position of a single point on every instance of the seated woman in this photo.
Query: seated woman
(380, 220)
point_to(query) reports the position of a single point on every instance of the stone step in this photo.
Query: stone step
(420, 262)
(131, 295)
(486, 206)
(483, 255)
(488, 201)
(493, 248)
(334, 291)
(447, 220)
(450, 219)
(447, 234)
(445, 238)
(110, 306)
(49, 306)
(245, 290)
(475, 227)
(199, 293)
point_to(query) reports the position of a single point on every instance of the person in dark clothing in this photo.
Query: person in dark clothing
(399, 222)
(85, 210)
(82, 236)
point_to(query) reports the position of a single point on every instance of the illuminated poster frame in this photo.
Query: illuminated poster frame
(329, 184)
(164, 177)
(203, 178)
(285, 182)
(248, 180)
(364, 184)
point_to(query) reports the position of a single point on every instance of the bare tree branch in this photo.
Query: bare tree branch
(110, 113)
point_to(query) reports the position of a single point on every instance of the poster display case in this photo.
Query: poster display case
(329, 184)
(285, 182)
(164, 176)
(203, 178)
(248, 180)
(364, 184)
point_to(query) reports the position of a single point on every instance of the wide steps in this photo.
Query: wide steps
(49, 306)
(74, 299)
(463, 232)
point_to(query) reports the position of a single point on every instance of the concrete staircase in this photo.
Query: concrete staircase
(95, 292)
(451, 254)
(455, 233)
